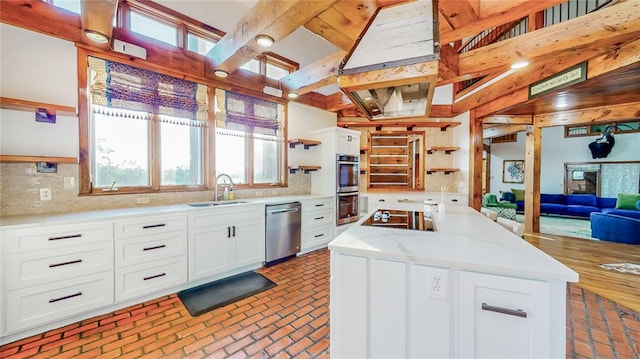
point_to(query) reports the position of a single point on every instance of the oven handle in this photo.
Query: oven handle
(347, 194)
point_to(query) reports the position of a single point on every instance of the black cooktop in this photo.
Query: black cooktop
(391, 218)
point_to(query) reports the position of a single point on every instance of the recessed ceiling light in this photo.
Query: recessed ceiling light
(519, 64)
(221, 73)
(562, 104)
(96, 36)
(292, 95)
(264, 40)
(368, 98)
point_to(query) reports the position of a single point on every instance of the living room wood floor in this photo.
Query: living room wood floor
(292, 319)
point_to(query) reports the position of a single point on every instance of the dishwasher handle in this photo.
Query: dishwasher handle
(286, 210)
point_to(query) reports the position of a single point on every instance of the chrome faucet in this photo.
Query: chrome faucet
(215, 191)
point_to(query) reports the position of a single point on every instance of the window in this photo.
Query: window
(252, 65)
(69, 5)
(153, 28)
(136, 113)
(199, 44)
(249, 139)
(276, 72)
(597, 129)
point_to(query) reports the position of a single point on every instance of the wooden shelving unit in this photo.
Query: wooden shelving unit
(35, 159)
(443, 125)
(447, 150)
(304, 142)
(306, 169)
(24, 105)
(445, 170)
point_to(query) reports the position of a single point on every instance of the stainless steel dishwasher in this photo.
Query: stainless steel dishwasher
(282, 233)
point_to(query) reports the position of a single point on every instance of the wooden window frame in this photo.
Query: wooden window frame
(591, 132)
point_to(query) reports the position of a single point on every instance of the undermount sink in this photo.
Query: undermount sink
(215, 204)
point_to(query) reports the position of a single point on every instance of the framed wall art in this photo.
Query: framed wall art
(513, 171)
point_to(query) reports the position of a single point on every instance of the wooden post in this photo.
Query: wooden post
(532, 179)
(475, 161)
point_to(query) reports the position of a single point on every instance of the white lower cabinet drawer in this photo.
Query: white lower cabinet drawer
(41, 267)
(317, 218)
(147, 278)
(316, 236)
(149, 225)
(46, 303)
(55, 236)
(147, 249)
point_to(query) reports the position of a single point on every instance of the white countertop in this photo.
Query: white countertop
(465, 240)
(48, 219)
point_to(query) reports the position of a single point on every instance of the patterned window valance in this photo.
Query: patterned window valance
(118, 86)
(246, 113)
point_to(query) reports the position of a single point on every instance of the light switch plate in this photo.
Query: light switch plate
(69, 182)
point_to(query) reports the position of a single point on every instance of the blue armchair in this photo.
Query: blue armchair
(614, 228)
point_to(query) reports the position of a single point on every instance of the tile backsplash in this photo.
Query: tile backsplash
(20, 192)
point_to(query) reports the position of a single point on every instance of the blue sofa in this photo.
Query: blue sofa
(615, 228)
(576, 205)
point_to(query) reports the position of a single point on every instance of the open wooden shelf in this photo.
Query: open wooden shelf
(301, 141)
(446, 150)
(445, 170)
(443, 125)
(24, 105)
(306, 169)
(364, 150)
(35, 159)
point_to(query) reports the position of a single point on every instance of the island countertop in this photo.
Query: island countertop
(465, 239)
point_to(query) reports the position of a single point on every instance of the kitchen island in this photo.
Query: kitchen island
(469, 289)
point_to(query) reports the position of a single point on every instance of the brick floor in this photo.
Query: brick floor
(289, 320)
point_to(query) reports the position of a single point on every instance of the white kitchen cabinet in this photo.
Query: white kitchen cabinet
(335, 140)
(151, 254)
(504, 317)
(347, 143)
(409, 201)
(54, 271)
(317, 223)
(383, 309)
(225, 239)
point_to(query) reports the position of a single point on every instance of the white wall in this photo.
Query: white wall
(302, 120)
(556, 151)
(39, 68)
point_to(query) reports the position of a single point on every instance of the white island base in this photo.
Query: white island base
(470, 290)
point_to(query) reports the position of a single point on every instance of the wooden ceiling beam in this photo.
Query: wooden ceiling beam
(602, 29)
(339, 101)
(448, 65)
(458, 13)
(321, 73)
(330, 33)
(277, 19)
(98, 15)
(508, 120)
(313, 99)
(36, 15)
(614, 59)
(590, 115)
(502, 102)
(524, 77)
(489, 17)
(502, 130)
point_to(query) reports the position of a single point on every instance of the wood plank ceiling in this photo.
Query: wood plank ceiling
(608, 39)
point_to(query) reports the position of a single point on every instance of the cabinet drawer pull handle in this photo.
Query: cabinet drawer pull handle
(518, 313)
(65, 237)
(65, 297)
(317, 218)
(154, 276)
(454, 200)
(228, 232)
(234, 231)
(154, 247)
(65, 263)
(381, 200)
(403, 200)
(319, 235)
(154, 226)
(320, 205)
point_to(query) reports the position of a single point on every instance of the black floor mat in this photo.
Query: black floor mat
(216, 294)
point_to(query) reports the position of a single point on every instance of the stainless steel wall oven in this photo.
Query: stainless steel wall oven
(348, 173)
(347, 207)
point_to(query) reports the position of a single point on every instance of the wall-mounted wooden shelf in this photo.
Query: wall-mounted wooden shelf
(24, 105)
(447, 150)
(300, 141)
(364, 150)
(306, 169)
(445, 170)
(443, 125)
(35, 159)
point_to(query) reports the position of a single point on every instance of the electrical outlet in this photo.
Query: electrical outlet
(69, 182)
(142, 200)
(45, 194)
(438, 284)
